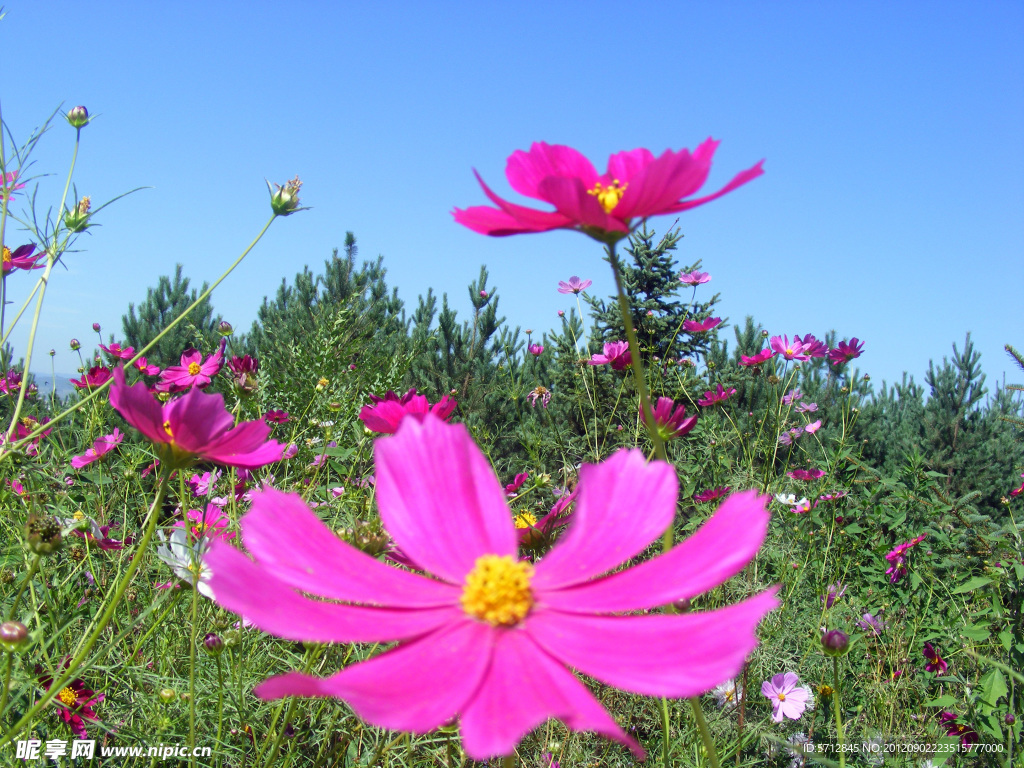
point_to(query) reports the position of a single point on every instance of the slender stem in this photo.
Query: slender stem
(838, 709)
(108, 614)
(508, 761)
(192, 672)
(705, 734)
(21, 591)
(7, 683)
(220, 708)
(665, 751)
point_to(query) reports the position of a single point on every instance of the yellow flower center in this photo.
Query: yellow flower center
(608, 196)
(730, 695)
(498, 590)
(789, 351)
(199, 529)
(68, 697)
(79, 515)
(167, 429)
(7, 255)
(782, 697)
(193, 369)
(525, 520)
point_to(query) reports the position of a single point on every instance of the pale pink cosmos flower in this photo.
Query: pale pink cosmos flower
(792, 396)
(788, 697)
(209, 524)
(606, 207)
(386, 413)
(806, 407)
(575, 285)
(813, 427)
(616, 354)
(790, 350)
(806, 474)
(193, 371)
(488, 638)
(100, 447)
(701, 326)
(694, 278)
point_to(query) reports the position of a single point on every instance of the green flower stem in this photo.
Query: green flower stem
(662, 454)
(192, 668)
(33, 566)
(106, 385)
(7, 683)
(839, 711)
(108, 614)
(220, 709)
(508, 761)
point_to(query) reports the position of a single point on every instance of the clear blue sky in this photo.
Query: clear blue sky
(892, 207)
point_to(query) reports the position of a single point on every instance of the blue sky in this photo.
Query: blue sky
(892, 207)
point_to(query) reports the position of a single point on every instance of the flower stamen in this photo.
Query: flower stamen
(68, 697)
(497, 590)
(608, 196)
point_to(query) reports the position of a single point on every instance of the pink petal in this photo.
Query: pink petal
(244, 446)
(440, 499)
(624, 504)
(530, 218)
(417, 686)
(138, 407)
(624, 166)
(291, 543)
(526, 170)
(491, 221)
(661, 183)
(522, 688)
(716, 552)
(738, 180)
(196, 419)
(675, 656)
(245, 588)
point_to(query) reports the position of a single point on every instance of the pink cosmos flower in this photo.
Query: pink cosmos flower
(145, 368)
(117, 352)
(873, 624)
(670, 420)
(193, 371)
(575, 285)
(243, 365)
(711, 494)
(719, 395)
(97, 376)
(811, 346)
(21, 258)
(755, 360)
(74, 702)
(277, 417)
(539, 393)
(694, 278)
(98, 536)
(968, 736)
(516, 484)
(195, 426)
(489, 638)
(616, 354)
(386, 413)
(898, 557)
(788, 698)
(835, 591)
(792, 396)
(100, 447)
(813, 427)
(833, 495)
(534, 534)
(935, 663)
(536, 349)
(211, 524)
(1018, 491)
(637, 185)
(806, 407)
(845, 352)
(701, 326)
(806, 474)
(789, 350)
(204, 484)
(10, 185)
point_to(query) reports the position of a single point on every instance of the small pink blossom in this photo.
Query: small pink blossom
(100, 447)
(21, 258)
(97, 376)
(898, 557)
(209, 525)
(536, 349)
(669, 419)
(806, 474)
(193, 371)
(277, 417)
(755, 360)
(516, 484)
(575, 285)
(794, 395)
(616, 354)
(813, 427)
(145, 368)
(806, 407)
(711, 494)
(845, 352)
(694, 278)
(788, 697)
(702, 326)
(117, 352)
(720, 395)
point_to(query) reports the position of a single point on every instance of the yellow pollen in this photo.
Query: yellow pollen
(608, 196)
(194, 369)
(167, 429)
(730, 695)
(789, 350)
(68, 697)
(199, 529)
(525, 520)
(782, 697)
(7, 255)
(79, 515)
(498, 590)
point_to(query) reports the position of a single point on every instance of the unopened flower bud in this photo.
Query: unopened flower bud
(334, 406)
(42, 534)
(77, 117)
(53, 352)
(284, 201)
(764, 334)
(96, 327)
(75, 345)
(1009, 719)
(835, 643)
(483, 294)
(213, 644)
(167, 695)
(561, 313)
(13, 636)
(224, 328)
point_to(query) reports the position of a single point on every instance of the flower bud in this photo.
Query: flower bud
(53, 353)
(13, 636)
(167, 695)
(77, 117)
(224, 328)
(213, 644)
(42, 534)
(321, 384)
(561, 313)
(96, 327)
(483, 294)
(1009, 719)
(764, 334)
(835, 643)
(75, 345)
(77, 219)
(284, 201)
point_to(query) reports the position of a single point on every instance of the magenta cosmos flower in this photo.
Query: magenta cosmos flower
(616, 354)
(788, 697)
(194, 427)
(97, 376)
(575, 285)
(701, 326)
(755, 360)
(790, 350)
(193, 371)
(811, 346)
(845, 352)
(670, 420)
(806, 474)
(536, 349)
(898, 557)
(719, 395)
(489, 638)
(117, 352)
(74, 702)
(637, 185)
(711, 494)
(21, 258)
(936, 663)
(386, 413)
(694, 278)
(100, 447)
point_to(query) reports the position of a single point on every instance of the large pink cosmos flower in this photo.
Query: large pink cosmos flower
(193, 371)
(615, 353)
(100, 447)
(21, 258)
(489, 638)
(637, 185)
(195, 426)
(789, 350)
(386, 413)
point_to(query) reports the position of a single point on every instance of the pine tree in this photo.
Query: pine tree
(163, 304)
